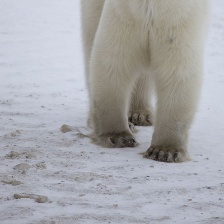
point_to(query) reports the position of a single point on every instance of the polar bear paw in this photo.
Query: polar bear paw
(120, 140)
(140, 119)
(167, 154)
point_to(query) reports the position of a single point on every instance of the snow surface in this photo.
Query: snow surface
(42, 87)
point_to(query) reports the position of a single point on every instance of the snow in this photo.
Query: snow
(42, 88)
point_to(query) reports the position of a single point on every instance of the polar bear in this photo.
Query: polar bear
(134, 46)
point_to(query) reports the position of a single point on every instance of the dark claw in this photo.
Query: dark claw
(139, 119)
(127, 142)
(149, 153)
(134, 120)
(131, 142)
(112, 140)
(156, 156)
(148, 118)
(175, 156)
(165, 158)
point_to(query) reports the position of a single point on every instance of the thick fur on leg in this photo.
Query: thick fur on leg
(177, 62)
(113, 73)
(165, 37)
(90, 17)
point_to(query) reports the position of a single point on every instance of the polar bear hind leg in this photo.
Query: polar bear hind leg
(140, 112)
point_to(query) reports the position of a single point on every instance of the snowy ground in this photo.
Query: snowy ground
(42, 88)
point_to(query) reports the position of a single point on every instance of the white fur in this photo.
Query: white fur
(130, 45)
